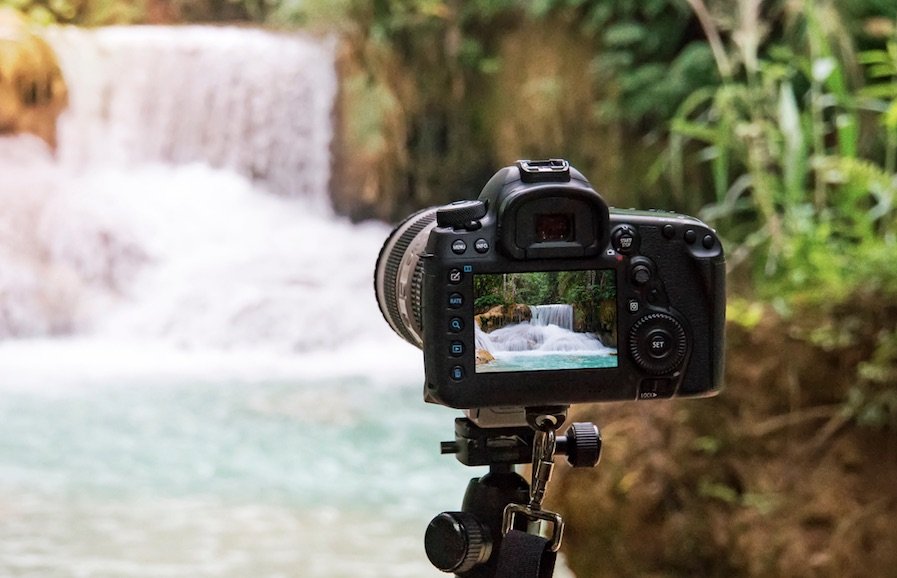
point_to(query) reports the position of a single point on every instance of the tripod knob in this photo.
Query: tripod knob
(583, 445)
(457, 542)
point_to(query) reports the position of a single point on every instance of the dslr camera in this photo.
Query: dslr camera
(539, 294)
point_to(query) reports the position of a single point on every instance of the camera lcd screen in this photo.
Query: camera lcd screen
(545, 321)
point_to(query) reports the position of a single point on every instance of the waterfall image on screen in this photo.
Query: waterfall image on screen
(546, 320)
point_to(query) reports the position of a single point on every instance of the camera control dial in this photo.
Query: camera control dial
(658, 343)
(461, 215)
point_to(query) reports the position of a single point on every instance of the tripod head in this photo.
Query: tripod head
(468, 542)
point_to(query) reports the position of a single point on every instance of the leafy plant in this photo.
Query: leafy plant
(782, 138)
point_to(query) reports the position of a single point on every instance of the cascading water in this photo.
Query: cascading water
(251, 101)
(560, 314)
(192, 363)
(546, 341)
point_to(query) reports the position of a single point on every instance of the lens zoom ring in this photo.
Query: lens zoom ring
(393, 264)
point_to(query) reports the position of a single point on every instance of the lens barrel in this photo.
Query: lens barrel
(399, 274)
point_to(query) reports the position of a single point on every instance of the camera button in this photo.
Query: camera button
(690, 236)
(660, 344)
(455, 276)
(455, 300)
(456, 348)
(457, 373)
(708, 241)
(456, 324)
(624, 239)
(481, 245)
(669, 231)
(459, 247)
(641, 274)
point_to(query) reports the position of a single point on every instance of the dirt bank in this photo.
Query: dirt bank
(771, 478)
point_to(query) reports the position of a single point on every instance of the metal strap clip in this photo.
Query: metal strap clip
(543, 464)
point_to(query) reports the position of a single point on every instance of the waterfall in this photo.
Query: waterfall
(560, 314)
(255, 102)
(545, 338)
(186, 208)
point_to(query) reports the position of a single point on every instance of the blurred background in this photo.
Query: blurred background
(194, 376)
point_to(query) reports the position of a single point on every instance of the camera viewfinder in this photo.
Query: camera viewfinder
(554, 227)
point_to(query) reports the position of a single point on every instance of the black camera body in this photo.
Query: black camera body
(538, 294)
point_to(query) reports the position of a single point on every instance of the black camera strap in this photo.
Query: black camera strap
(525, 555)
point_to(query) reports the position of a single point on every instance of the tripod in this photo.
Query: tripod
(501, 506)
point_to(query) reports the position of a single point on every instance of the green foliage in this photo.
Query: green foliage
(794, 188)
(802, 158)
(586, 291)
(85, 12)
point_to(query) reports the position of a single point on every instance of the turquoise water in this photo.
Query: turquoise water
(541, 361)
(332, 478)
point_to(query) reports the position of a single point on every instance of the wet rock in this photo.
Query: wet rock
(503, 315)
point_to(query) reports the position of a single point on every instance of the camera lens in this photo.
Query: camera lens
(399, 273)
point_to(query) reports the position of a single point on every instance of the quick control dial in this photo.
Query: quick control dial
(658, 343)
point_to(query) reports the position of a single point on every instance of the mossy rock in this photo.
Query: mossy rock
(32, 89)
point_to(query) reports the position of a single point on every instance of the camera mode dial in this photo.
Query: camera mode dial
(461, 215)
(658, 343)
